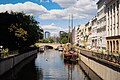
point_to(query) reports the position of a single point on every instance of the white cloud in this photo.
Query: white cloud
(69, 3)
(44, 0)
(27, 7)
(65, 3)
(51, 26)
(79, 8)
(54, 29)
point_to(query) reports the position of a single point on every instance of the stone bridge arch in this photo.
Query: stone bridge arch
(54, 45)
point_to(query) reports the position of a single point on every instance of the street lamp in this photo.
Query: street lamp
(1, 50)
(1, 47)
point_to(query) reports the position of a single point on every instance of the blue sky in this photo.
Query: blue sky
(53, 15)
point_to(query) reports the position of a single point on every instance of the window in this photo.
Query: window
(117, 29)
(117, 5)
(111, 10)
(114, 28)
(114, 14)
(117, 45)
(111, 30)
(114, 7)
(108, 45)
(113, 45)
(108, 12)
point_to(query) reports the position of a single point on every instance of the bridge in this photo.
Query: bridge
(54, 45)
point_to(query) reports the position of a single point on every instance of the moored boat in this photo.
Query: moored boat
(42, 49)
(60, 48)
(71, 56)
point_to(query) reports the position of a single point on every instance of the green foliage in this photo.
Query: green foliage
(3, 52)
(63, 38)
(36, 45)
(18, 30)
(47, 40)
(51, 40)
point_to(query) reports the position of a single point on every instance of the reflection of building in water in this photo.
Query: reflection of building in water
(47, 34)
(70, 70)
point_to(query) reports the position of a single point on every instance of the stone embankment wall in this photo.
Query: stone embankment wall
(94, 66)
(9, 63)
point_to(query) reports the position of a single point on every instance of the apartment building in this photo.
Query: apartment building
(74, 35)
(94, 32)
(113, 25)
(101, 24)
(87, 33)
(81, 34)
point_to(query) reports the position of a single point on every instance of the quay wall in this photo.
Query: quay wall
(9, 63)
(94, 66)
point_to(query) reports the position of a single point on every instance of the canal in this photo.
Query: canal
(47, 66)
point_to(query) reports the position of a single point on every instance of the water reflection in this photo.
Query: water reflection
(75, 72)
(49, 66)
(54, 68)
(24, 71)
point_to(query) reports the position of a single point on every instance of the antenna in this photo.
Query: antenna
(72, 21)
(69, 30)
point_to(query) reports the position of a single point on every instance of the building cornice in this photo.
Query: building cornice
(113, 37)
(98, 1)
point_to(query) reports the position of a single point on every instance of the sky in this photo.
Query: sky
(53, 15)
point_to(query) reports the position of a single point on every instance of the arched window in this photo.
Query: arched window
(107, 45)
(111, 46)
(117, 45)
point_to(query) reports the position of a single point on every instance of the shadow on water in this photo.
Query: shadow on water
(46, 66)
(24, 71)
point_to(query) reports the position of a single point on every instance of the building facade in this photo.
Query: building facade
(80, 34)
(94, 32)
(87, 33)
(74, 35)
(113, 25)
(47, 34)
(101, 24)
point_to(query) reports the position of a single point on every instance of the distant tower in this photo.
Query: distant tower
(47, 34)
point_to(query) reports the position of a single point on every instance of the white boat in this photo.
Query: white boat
(60, 48)
(41, 49)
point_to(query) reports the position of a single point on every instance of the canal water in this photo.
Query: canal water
(48, 66)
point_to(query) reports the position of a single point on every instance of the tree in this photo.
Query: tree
(47, 40)
(51, 40)
(18, 30)
(63, 38)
